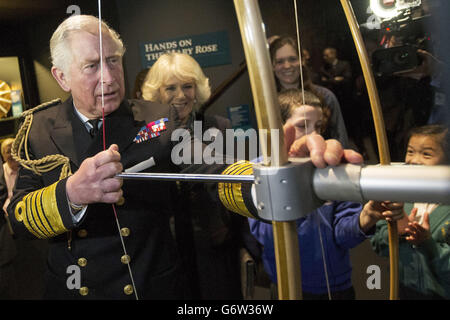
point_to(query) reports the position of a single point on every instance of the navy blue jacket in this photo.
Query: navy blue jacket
(339, 226)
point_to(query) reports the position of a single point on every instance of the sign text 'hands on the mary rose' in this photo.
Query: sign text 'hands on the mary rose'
(209, 49)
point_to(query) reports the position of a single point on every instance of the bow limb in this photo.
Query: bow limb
(269, 119)
(383, 147)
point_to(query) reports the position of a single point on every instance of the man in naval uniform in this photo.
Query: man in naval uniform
(74, 211)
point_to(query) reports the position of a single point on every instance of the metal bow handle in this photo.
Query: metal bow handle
(292, 191)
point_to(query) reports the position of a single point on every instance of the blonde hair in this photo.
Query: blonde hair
(183, 67)
(60, 52)
(5, 143)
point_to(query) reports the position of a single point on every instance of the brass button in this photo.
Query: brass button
(82, 233)
(82, 262)
(84, 291)
(125, 232)
(121, 201)
(125, 259)
(128, 289)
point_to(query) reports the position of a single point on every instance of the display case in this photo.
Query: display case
(11, 96)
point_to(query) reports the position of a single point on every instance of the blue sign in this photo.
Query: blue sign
(239, 117)
(208, 49)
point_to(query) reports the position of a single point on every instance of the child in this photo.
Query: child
(424, 266)
(307, 118)
(328, 233)
(10, 169)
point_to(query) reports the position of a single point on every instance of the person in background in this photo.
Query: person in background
(8, 248)
(336, 75)
(307, 62)
(424, 269)
(178, 80)
(327, 234)
(137, 90)
(286, 67)
(10, 169)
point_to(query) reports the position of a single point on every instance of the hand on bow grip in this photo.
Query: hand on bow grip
(95, 180)
(374, 211)
(322, 152)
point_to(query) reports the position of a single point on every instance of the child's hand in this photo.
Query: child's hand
(374, 211)
(402, 223)
(418, 233)
(322, 152)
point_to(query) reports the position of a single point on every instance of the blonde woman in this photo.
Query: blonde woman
(178, 80)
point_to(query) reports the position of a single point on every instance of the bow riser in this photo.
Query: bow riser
(269, 117)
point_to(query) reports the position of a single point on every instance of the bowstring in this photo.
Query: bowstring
(299, 53)
(306, 132)
(104, 142)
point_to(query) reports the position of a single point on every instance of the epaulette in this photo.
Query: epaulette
(20, 146)
(42, 106)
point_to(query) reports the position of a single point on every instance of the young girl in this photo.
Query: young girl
(424, 268)
(328, 233)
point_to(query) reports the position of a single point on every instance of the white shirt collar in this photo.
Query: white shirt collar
(83, 118)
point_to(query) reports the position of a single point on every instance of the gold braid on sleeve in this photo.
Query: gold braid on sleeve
(38, 210)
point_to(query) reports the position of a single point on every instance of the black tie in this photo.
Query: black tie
(94, 130)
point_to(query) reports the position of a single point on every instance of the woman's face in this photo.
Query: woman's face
(286, 66)
(179, 94)
(425, 150)
(7, 157)
(306, 120)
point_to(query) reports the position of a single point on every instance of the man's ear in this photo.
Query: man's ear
(61, 78)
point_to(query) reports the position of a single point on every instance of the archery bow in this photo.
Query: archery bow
(383, 148)
(264, 93)
(269, 117)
